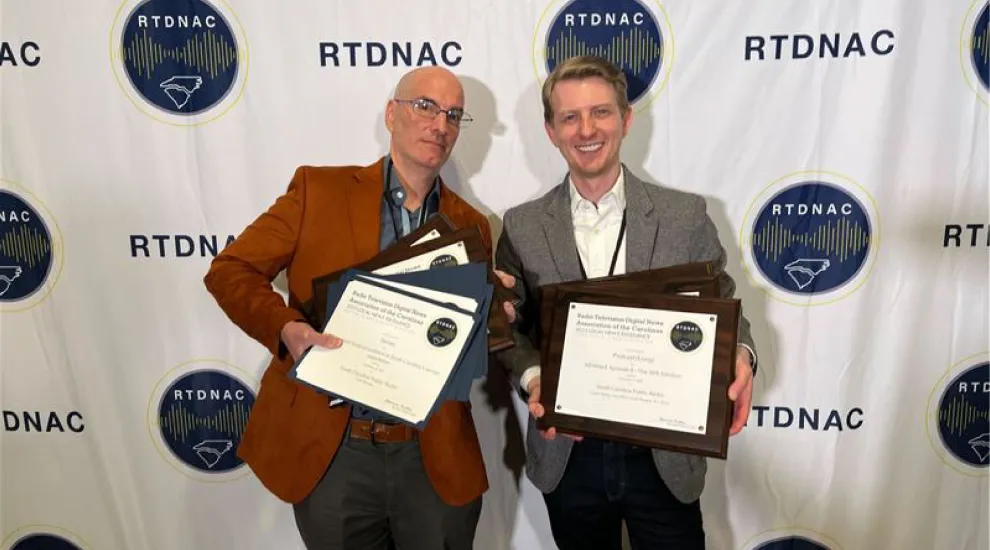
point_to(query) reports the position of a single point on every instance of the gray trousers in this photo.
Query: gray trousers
(376, 496)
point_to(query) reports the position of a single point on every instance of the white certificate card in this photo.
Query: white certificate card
(637, 366)
(397, 355)
(452, 254)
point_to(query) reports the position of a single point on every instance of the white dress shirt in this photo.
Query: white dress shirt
(596, 231)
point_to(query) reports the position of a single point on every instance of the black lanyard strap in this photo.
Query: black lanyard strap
(615, 254)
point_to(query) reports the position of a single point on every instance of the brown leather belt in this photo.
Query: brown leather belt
(377, 431)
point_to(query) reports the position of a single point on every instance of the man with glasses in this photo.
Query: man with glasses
(355, 481)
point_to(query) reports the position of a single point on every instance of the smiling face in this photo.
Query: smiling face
(587, 126)
(422, 140)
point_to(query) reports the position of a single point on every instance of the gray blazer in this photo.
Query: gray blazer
(664, 227)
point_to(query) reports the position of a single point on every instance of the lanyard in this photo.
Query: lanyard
(615, 254)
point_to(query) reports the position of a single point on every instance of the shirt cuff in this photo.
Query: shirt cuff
(527, 376)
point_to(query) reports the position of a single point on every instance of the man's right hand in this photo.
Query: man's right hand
(537, 410)
(299, 336)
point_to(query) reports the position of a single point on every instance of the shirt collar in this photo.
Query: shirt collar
(615, 196)
(432, 199)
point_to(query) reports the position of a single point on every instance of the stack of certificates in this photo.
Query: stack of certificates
(416, 324)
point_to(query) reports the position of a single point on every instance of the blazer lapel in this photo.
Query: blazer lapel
(558, 227)
(449, 206)
(642, 221)
(364, 195)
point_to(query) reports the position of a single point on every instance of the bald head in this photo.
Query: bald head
(411, 84)
(422, 140)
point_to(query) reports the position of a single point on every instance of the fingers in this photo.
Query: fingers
(735, 388)
(508, 281)
(551, 433)
(535, 408)
(329, 341)
(744, 377)
(510, 311)
(741, 409)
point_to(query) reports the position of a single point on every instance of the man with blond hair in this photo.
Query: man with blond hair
(603, 220)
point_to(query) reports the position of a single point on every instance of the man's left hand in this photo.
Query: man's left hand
(508, 281)
(741, 391)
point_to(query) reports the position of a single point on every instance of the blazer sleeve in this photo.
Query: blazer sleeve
(523, 354)
(708, 247)
(240, 276)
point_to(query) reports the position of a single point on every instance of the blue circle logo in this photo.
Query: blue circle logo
(26, 256)
(811, 239)
(964, 416)
(43, 541)
(629, 33)
(201, 417)
(186, 60)
(979, 48)
(791, 543)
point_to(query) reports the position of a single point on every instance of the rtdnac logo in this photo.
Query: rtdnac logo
(791, 539)
(180, 62)
(959, 416)
(974, 48)
(42, 538)
(197, 416)
(633, 34)
(810, 238)
(30, 249)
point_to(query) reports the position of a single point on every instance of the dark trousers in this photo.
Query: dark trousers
(376, 496)
(607, 482)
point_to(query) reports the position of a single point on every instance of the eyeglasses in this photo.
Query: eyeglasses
(429, 109)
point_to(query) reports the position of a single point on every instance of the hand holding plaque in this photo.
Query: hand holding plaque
(645, 358)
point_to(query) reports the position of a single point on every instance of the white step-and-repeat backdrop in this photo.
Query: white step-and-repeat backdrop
(843, 147)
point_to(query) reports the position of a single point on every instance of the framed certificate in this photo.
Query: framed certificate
(643, 367)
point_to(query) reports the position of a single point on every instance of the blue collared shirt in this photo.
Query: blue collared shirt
(391, 229)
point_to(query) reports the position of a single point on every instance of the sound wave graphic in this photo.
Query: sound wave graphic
(205, 52)
(958, 415)
(230, 420)
(840, 239)
(980, 44)
(24, 244)
(634, 50)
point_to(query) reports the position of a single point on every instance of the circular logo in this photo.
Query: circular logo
(183, 59)
(960, 415)
(790, 539)
(974, 48)
(633, 34)
(812, 240)
(686, 336)
(199, 417)
(43, 542)
(791, 543)
(42, 537)
(443, 260)
(30, 250)
(442, 332)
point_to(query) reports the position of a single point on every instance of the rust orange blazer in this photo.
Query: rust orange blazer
(327, 220)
